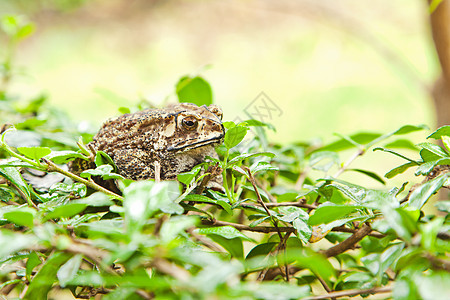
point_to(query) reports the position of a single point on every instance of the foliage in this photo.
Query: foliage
(255, 240)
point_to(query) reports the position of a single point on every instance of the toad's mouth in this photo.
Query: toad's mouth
(183, 146)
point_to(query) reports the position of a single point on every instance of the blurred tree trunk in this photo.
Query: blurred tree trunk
(440, 27)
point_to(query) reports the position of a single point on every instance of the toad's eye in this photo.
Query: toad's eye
(189, 123)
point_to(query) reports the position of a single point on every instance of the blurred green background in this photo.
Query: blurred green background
(330, 66)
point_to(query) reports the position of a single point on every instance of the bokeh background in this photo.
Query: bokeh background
(330, 66)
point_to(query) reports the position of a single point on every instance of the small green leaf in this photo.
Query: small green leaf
(329, 212)
(241, 157)
(227, 232)
(32, 261)
(35, 153)
(233, 246)
(187, 177)
(395, 153)
(194, 90)
(14, 176)
(370, 174)
(221, 201)
(144, 198)
(440, 132)
(420, 195)
(105, 171)
(102, 158)
(43, 281)
(261, 250)
(402, 144)
(69, 270)
(62, 157)
(400, 169)
(330, 158)
(66, 211)
(304, 231)
(23, 216)
(435, 149)
(234, 136)
(12, 242)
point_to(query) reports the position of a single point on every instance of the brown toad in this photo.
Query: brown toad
(174, 139)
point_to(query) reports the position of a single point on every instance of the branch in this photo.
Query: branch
(349, 242)
(268, 229)
(52, 167)
(375, 290)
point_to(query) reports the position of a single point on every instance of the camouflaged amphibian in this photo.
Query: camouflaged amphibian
(177, 137)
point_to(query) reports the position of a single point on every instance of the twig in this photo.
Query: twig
(376, 290)
(157, 166)
(325, 286)
(349, 242)
(297, 204)
(261, 202)
(205, 241)
(166, 267)
(52, 167)
(348, 162)
(268, 229)
(269, 195)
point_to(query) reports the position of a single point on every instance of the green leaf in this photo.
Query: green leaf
(435, 149)
(222, 201)
(35, 153)
(400, 169)
(304, 231)
(12, 242)
(144, 198)
(62, 157)
(370, 174)
(241, 157)
(330, 158)
(402, 130)
(69, 270)
(233, 246)
(402, 221)
(43, 281)
(66, 211)
(344, 144)
(96, 199)
(227, 232)
(440, 132)
(422, 193)
(32, 261)
(234, 136)
(329, 212)
(187, 177)
(261, 250)
(194, 90)
(23, 216)
(14, 176)
(402, 144)
(278, 290)
(434, 286)
(175, 225)
(102, 158)
(395, 153)
(443, 206)
(105, 171)
(311, 260)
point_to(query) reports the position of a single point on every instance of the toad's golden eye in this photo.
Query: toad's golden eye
(189, 123)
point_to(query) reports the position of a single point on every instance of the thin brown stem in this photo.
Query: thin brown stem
(349, 242)
(346, 293)
(52, 167)
(348, 162)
